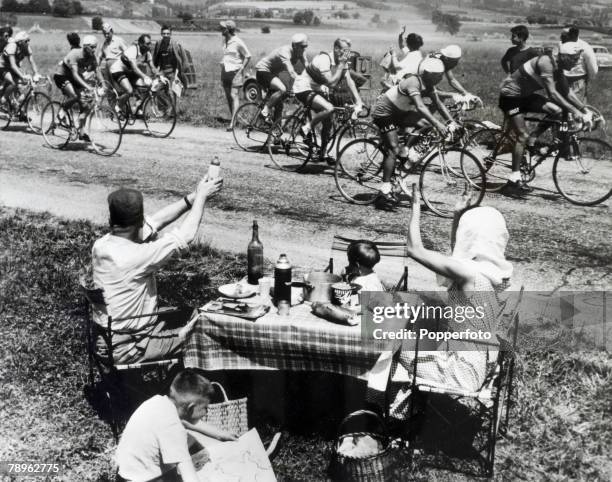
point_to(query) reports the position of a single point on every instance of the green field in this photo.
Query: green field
(479, 70)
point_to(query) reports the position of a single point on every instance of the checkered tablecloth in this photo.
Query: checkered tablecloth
(298, 342)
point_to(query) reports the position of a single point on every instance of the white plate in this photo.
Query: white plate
(232, 290)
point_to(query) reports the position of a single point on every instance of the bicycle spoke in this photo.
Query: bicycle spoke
(447, 175)
(56, 125)
(250, 130)
(287, 148)
(159, 114)
(583, 173)
(104, 130)
(358, 171)
(34, 107)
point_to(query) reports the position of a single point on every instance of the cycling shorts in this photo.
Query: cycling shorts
(61, 80)
(306, 97)
(398, 121)
(264, 78)
(119, 76)
(512, 106)
(6, 75)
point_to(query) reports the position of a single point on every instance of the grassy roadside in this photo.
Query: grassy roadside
(562, 424)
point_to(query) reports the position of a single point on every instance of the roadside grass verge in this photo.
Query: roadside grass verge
(561, 426)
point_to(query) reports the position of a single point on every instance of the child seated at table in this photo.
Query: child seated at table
(362, 256)
(155, 441)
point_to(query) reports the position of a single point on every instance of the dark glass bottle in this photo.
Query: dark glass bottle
(282, 279)
(255, 260)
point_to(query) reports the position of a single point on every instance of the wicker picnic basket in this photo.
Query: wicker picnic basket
(372, 468)
(230, 415)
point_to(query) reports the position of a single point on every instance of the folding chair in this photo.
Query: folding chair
(492, 397)
(111, 372)
(387, 249)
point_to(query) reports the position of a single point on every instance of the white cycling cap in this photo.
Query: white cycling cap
(431, 65)
(90, 40)
(451, 52)
(570, 48)
(21, 36)
(106, 27)
(299, 38)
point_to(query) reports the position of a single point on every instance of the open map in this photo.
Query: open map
(239, 461)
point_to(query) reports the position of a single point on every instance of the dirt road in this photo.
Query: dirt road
(553, 244)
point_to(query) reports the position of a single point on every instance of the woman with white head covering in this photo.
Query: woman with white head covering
(474, 272)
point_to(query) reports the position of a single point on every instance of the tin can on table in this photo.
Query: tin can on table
(284, 308)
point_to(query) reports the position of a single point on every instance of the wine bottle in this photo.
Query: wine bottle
(255, 257)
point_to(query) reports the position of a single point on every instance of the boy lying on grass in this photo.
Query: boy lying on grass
(154, 444)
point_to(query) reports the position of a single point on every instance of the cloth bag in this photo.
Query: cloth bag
(177, 85)
(387, 63)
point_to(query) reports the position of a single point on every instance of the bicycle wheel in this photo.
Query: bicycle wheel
(250, 130)
(159, 114)
(358, 171)
(104, 130)
(33, 109)
(494, 151)
(583, 175)
(446, 175)
(355, 130)
(56, 125)
(6, 113)
(286, 146)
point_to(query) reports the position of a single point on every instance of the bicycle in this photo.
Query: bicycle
(102, 125)
(154, 105)
(26, 105)
(582, 167)
(249, 128)
(289, 150)
(444, 170)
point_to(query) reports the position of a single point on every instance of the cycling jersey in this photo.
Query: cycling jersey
(395, 108)
(528, 78)
(131, 53)
(12, 48)
(113, 48)
(399, 97)
(313, 76)
(77, 57)
(278, 60)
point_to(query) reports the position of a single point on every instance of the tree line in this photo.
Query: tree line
(60, 8)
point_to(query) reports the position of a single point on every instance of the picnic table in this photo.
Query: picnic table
(298, 342)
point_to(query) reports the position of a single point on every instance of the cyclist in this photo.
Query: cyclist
(70, 78)
(111, 50)
(126, 71)
(402, 106)
(522, 92)
(13, 54)
(284, 58)
(326, 71)
(450, 57)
